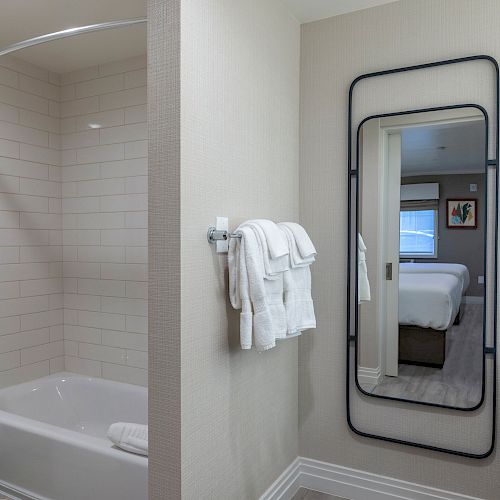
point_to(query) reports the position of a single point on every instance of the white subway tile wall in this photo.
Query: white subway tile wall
(104, 206)
(73, 221)
(31, 284)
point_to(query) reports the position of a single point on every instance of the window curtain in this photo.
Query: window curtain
(407, 206)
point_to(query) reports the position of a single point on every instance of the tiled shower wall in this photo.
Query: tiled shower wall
(84, 132)
(104, 173)
(31, 314)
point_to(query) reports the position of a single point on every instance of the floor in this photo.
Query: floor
(304, 494)
(459, 382)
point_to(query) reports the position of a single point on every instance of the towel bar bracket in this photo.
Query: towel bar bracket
(214, 235)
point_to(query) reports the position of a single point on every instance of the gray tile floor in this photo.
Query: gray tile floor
(304, 494)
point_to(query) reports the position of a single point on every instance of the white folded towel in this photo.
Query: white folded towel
(233, 261)
(275, 240)
(130, 437)
(296, 259)
(273, 267)
(363, 283)
(304, 243)
(271, 284)
(243, 292)
(298, 300)
(263, 316)
(297, 280)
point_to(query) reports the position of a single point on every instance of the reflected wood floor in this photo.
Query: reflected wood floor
(458, 383)
(304, 494)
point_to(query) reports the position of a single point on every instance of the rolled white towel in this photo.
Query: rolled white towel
(130, 437)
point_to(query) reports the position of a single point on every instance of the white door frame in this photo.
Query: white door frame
(392, 197)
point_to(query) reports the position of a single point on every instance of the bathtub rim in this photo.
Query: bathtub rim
(62, 434)
(17, 493)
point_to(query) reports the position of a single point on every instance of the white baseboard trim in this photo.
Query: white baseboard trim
(349, 483)
(285, 487)
(370, 376)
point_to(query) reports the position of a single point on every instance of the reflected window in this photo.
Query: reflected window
(418, 232)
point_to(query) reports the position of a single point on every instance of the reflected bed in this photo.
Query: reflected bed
(429, 300)
(430, 296)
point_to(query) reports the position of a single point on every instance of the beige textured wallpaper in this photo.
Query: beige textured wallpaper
(164, 249)
(239, 158)
(334, 52)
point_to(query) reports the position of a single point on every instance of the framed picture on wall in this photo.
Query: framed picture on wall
(461, 213)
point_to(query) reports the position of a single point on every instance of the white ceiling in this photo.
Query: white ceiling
(24, 19)
(306, 11)
(422, 150)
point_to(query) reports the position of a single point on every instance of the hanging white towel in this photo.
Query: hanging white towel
(296, 259)
(304, 244)
(298, 300)
(363, 283)
(246, 315)
(233, 262)
(260, 299)
(297, 280)
(275, 241)
(273, 267)
(271, 286)
(130, 437)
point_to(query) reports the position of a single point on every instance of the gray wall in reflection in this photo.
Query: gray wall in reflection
(463, 246)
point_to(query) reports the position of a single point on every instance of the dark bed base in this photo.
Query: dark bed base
(422, 346)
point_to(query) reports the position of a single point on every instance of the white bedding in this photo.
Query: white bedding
(458, 270)
(429, 300)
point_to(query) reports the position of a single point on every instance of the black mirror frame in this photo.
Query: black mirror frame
(353, 338)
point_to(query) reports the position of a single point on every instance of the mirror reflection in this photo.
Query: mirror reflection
(421, 256)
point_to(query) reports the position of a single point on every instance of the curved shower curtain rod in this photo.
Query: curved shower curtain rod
(70, 32)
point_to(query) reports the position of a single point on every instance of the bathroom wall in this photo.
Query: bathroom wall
(164, 256)
(104, 173)
(238, 142)
(239, 158)
(31, 316)
(334, 52)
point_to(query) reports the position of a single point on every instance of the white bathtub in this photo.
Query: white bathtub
(53, 439)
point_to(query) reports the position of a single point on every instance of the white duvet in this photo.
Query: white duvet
(458, 270)
(429, 300)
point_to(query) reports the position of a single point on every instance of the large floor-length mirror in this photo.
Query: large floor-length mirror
(421, 256)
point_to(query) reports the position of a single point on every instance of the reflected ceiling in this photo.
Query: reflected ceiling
(450, 148)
